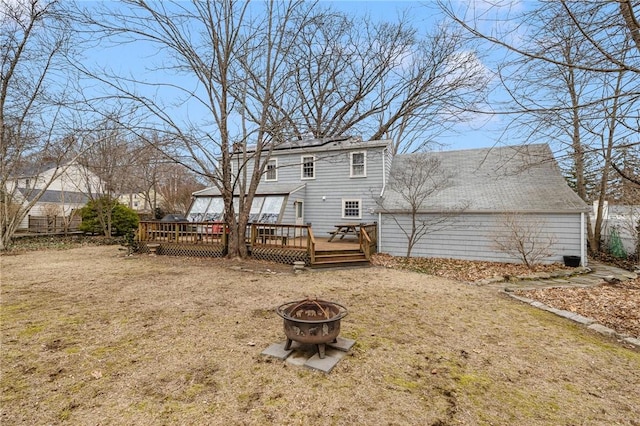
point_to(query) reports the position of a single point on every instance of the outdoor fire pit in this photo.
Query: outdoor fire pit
(311, 321)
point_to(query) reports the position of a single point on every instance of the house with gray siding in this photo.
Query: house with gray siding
(494, 186)
(322, 182)
(331, 181)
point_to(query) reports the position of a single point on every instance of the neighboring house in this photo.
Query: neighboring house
(140, 202)
(322, 182)
(522, 182)
(326, 182)
(624, 219)
(67, 191)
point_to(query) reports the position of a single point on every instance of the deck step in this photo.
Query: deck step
(334, 259)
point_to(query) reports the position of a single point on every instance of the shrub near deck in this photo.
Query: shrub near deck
(90, 336)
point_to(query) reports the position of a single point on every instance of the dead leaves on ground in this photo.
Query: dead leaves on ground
(615, 306)
(460, 270)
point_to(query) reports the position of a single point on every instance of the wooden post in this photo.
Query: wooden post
(224, 235)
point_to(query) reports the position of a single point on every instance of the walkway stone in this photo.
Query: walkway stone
(589, 277)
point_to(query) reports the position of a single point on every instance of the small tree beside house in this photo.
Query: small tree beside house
(413, 180)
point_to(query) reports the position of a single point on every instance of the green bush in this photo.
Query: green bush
(96, 213)
(616, 248)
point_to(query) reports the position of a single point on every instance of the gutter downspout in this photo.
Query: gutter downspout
(385, 152)
(379, 249)
(583, 257)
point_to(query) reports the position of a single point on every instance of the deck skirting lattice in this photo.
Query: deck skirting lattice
(280, 255)
(194, 250)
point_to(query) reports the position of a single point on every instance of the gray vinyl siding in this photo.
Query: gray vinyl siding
(289, 216)
(324, 194)
(471, 237)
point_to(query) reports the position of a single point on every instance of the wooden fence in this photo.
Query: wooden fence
(53, 224)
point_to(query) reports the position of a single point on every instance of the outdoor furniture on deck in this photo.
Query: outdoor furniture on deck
(269, 236)
(344, 229)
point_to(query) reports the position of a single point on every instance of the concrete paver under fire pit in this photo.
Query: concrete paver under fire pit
(307, 355)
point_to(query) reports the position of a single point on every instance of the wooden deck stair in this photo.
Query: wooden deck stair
(339, 258)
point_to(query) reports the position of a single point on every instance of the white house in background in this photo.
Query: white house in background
(68, 189)
(140, 202)
(331, 181)
(623, 218)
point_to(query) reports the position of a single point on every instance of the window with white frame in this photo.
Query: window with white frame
(308, 167)
(351, 209)
(358, 164)
(271, 174)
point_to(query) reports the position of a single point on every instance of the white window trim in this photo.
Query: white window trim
(345, 201)
(266, 173)
(302, 176)
(364, 154)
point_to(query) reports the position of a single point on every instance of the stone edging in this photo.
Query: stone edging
(560, 273)
(588, 322)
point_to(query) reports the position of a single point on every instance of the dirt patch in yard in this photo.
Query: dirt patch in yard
(91, 336)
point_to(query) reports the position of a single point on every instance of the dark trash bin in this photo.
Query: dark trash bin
(571, 261)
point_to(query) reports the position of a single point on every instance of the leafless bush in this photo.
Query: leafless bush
(524, 238)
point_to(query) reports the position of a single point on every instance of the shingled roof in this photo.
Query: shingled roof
(518, 179)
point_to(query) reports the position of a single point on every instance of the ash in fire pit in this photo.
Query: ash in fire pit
(312, 321)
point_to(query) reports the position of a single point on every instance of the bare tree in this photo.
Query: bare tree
(231, 64)
(523, 238)
(572, 76)
(383, 80)
(417, 179)
(37, 107)
(263, 75)
(112, 158)
(174, 185)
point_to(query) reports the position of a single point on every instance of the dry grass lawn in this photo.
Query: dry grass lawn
(90, 336)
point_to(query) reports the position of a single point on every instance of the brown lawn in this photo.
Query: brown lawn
(90, 336)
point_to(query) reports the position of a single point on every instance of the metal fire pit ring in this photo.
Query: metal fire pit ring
(311, 321)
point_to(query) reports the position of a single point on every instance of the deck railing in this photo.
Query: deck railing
(183, 232)
(368, 239)
(311, 247)
(278, 235)
(257, 234)
(275, 240)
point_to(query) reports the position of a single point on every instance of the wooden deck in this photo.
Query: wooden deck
(348, 243)
(275, 242)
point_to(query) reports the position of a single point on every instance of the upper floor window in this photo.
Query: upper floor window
(272, 171)
(358, 164)
(308, 167)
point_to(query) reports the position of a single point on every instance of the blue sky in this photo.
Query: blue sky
(483, 131)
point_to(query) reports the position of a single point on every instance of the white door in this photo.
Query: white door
(299, 205)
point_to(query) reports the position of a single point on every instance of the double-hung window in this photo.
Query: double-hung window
(358, 164)
(351, 209)
(271, 174)
(308, 167)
